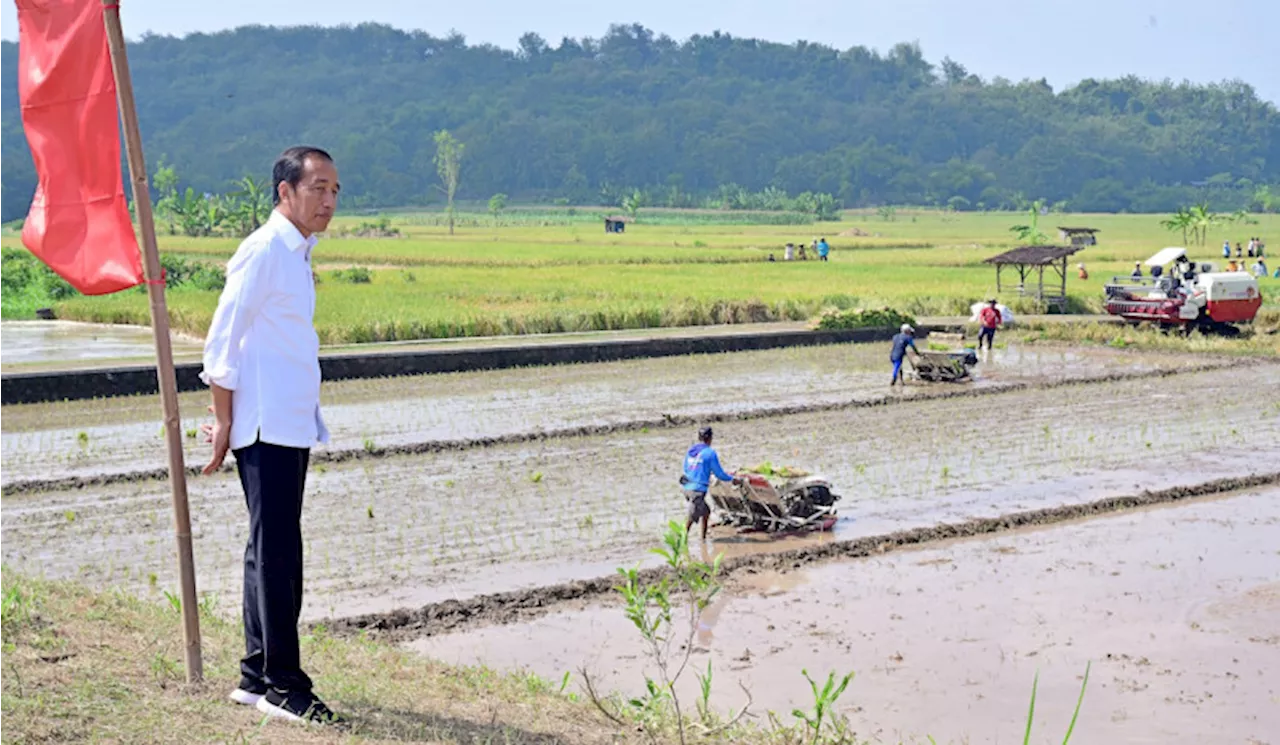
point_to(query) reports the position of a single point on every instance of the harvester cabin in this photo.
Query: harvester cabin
(1031, 262)
(1080, 237)
(616, 224)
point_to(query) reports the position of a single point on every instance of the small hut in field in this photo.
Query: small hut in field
(616, 224)
(1080, 237)
(1031, 261)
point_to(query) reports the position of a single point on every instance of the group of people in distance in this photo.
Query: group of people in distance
(793, 252)
(1257, 250)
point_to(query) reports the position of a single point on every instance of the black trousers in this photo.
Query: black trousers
(273, 478)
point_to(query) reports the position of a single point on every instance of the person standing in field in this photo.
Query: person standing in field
(701, 462)
(1084, 273)
(261, 362)
(904, 339)
(823, 249)
(1226, 249)
(789, 252)
(991, 319)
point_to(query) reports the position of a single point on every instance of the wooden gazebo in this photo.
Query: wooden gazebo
(1032, 261)
(1079, 236)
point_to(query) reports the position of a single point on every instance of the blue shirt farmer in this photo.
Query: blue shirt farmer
(823, 248)
(900, 344)
(700, 464)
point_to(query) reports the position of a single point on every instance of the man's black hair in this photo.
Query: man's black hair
(704, 434)
(288, 167)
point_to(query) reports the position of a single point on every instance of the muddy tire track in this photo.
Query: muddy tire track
(524, 605)
(635, 425)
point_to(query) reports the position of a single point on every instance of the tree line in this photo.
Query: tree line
(713, 117)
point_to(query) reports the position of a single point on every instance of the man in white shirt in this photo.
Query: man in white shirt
(261, 361)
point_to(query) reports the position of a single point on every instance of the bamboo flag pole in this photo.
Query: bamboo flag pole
(160, 327)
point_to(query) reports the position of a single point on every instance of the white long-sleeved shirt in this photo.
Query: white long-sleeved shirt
(262, 343)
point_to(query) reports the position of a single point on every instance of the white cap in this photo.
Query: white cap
(906, 328)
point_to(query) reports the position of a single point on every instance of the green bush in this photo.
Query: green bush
(860, 318)
(198, 275)
(356, 275)
(17, 270)
(29, 283)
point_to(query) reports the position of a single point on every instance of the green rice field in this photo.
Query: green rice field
(557, 270)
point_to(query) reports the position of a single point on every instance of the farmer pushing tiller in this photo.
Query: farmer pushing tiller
(701, 463)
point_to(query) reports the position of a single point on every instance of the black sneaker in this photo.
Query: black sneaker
(249, 692)
(297, 707)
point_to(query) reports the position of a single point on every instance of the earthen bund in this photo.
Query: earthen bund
(131, 380)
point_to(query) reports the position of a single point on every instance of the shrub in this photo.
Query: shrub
(183, 272)
(356, 275)
(859, 318)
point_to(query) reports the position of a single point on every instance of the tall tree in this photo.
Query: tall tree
(578, 118)
(497, 203)
(449, 166)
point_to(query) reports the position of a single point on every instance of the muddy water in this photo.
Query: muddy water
(119, 436)
(53, 341)
(1177, 609)
(408, 530)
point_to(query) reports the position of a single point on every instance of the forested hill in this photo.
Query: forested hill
(634, 109)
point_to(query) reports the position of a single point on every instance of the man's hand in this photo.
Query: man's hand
(218, 433)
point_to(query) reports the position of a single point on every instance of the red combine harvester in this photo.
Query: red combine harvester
(1188, 295)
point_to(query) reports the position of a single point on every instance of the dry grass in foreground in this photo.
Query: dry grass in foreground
(106, 667)
(81, 666)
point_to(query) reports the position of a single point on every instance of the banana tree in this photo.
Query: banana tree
(189, 211)
(1180, 220)
(1030, 234)
(251, 204)
(633, 203)
(1202, 219)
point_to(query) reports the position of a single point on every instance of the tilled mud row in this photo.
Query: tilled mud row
(371, 451)
(403, 532)
(524, 605)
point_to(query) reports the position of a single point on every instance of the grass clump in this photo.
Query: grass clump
(354, 275)
(859, 318)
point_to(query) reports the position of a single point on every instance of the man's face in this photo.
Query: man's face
(312, 202)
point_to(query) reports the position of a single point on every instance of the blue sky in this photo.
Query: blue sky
(1062, 41)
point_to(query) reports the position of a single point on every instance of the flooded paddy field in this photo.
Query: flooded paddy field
(122, 438)
(1176, 607)
(31, 342)
(401, 531)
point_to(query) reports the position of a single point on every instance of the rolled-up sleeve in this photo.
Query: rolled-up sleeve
(248, 284)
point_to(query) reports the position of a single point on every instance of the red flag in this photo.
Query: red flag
(79, 221)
